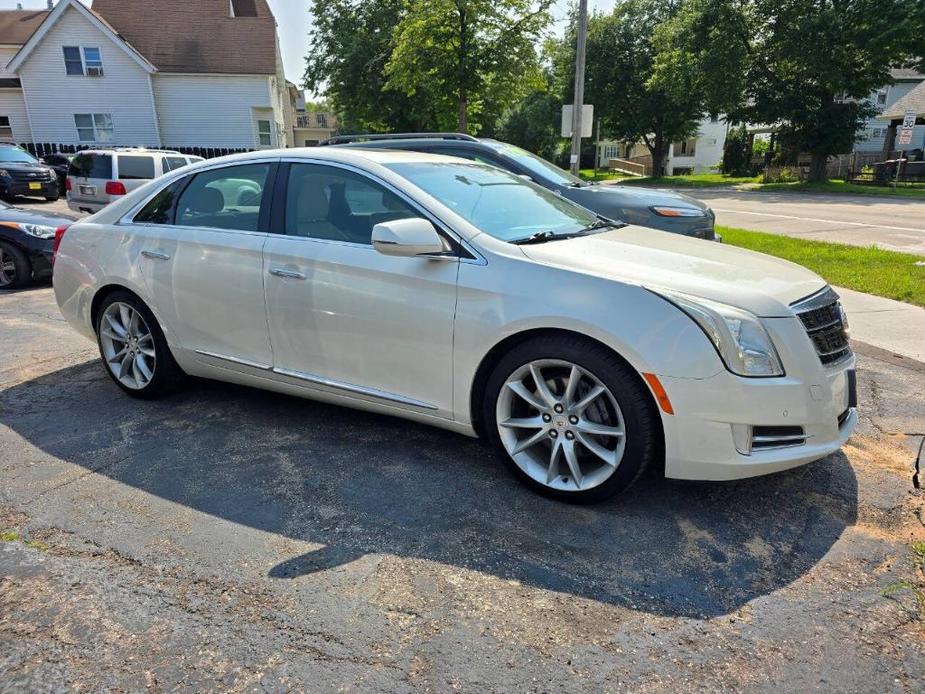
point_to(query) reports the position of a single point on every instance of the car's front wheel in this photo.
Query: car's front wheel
(15, 269)
(133, 347)
(574, 421)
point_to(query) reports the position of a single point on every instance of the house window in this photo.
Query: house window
(881, 97)
(72, 62)
(322, 120)
(83, 60)
(94, 127)
(264, 133)
(6, 130)
(687, 148)
(243, 8)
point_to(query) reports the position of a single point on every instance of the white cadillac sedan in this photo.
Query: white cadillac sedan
(459, 295)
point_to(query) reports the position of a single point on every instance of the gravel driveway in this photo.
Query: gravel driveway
(230, 539)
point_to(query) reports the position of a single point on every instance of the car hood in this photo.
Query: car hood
(640, 196)
(21, 216)
(759, 283)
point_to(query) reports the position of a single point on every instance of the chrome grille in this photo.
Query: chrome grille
(824, 321)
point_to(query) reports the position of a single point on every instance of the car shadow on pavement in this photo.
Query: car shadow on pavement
(360, 483)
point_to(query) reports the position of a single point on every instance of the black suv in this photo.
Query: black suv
(23, 174)
(660, 209)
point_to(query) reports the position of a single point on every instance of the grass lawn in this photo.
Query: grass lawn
(602, 175)
(840, 187)
(690, 181)
(872, 270)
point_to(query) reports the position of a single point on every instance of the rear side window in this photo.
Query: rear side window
(160, 208)
(134, 167)
(171, 163)
(91, 166)
(226, 198)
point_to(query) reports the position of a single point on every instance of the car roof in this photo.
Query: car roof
(343, 154)
(411, 143)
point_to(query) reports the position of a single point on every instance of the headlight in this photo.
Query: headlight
(38, 231)
(667, 211)
(738, 336)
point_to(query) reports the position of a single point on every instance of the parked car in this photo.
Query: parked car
(23, 174)
(60, 162)
(659, 209)
(463, 296)
(26, 238)
(96, 177)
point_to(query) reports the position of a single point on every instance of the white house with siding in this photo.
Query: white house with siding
(157, 73)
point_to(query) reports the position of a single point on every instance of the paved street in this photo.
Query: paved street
(892, 223)
(229, 539)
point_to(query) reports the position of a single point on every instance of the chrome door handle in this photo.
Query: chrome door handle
(289, 274)
(155, 255)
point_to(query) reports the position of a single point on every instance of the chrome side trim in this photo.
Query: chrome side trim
(351, 388)
(235, 360)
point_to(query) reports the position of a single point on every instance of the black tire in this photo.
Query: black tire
(52, 198)
(167, 374)
(21, 264)
(635, 401)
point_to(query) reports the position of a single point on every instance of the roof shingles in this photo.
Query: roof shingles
(195, 37)
(16, 26)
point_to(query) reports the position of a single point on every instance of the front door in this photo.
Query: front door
(203, 262)
(345, 318)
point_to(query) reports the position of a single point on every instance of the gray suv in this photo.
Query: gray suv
(659, 209)
(96, 177)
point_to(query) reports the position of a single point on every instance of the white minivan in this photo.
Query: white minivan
(96, 177)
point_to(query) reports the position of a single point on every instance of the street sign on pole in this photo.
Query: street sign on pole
(587, 120)
(905, 132)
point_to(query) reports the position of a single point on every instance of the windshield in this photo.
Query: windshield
(11, 154)
(496, 201)
(537, 167)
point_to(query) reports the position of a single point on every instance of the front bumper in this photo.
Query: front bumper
(46, 189)
(699, 438)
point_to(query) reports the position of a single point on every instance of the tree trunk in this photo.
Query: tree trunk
(659, 152)
(817, 168)
(462, 122)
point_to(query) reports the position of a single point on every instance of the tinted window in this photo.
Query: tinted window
(325, 202)
(171, 163)
(227, 198)
(496, 201)
(72, 62)
(91, 166)
(136, 166)
(160, 208)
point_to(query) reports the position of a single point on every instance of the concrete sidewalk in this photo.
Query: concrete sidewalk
(889, 325)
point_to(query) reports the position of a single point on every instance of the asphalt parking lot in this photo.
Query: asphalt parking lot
(230, 539)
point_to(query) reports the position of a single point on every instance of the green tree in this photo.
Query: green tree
(350, 45)
(533, 123)
(630, 97)
(735, 152)
(806, 65)
(469, 56)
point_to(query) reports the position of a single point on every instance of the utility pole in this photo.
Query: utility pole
(579, 85)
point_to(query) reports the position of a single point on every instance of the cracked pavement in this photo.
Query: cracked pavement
(228, 539)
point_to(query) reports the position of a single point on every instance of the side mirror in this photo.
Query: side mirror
(407, 237)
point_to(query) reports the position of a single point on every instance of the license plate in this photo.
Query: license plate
(34, 185)
(88, 190)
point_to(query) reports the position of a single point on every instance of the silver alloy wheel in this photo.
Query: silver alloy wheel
(128, 345)
(561, 425)
(7, 269)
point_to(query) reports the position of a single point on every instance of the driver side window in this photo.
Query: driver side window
(226, 198)
(325, 202)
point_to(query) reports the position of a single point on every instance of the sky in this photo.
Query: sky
(293, 19)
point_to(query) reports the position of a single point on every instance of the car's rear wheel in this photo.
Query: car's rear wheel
(15, 268)
(133, 347)
(52, 198)
(575, 422)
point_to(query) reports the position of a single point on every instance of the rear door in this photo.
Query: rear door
(89, 172)
(202, 258)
